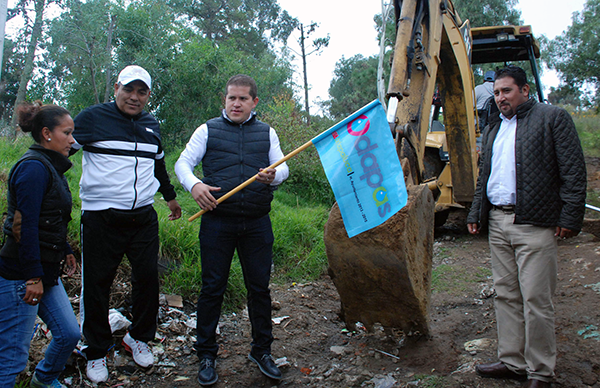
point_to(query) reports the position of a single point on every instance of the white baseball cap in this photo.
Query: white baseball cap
(133, 73)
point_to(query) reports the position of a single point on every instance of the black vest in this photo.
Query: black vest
(235, 153)
(55, 213)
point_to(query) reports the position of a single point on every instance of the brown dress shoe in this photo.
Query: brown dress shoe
(537, 384)
(498, 370)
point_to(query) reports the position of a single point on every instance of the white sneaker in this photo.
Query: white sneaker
(139, 350)
(96, 370)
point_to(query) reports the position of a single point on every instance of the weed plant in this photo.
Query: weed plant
(299, 253)
(588, 128)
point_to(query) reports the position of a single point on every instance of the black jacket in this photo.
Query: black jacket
(550, 169)
(123, 159)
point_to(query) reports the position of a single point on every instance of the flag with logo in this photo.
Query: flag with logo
(360, 161)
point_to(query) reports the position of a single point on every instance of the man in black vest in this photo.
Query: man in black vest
(233, 148)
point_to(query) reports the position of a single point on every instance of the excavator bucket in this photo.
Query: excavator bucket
(384, 275)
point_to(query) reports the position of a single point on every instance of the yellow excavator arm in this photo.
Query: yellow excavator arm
(432, 53)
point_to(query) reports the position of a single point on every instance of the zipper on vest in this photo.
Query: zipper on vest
(241, 153)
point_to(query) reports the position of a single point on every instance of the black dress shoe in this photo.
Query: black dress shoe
(537, 384)
(207, 375)
(498, 370)
(266, 365)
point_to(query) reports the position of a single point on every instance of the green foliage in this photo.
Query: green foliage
(575, 54)
(11, 74)
(80, 54)
(453, 279)
(299, 251)
(483, 13)
(196, 90)
(307, 179)
(567, 96)
(244, 24)
(353, 86)
(432, 381)
(588, 129)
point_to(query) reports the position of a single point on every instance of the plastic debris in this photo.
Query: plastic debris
(278, 320)
(117, 320)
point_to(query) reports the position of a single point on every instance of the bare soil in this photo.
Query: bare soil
(316, 349)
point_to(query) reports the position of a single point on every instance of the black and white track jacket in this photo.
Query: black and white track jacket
(123, 161)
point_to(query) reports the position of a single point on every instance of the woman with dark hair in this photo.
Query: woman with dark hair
(35, 249)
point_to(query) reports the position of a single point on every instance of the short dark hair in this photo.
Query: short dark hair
(33, 117)
(515, 72)
(243, 80)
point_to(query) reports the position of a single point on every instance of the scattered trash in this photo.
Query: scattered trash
(479, 345)
(117, 320)
(383, 381)
(487, 292)
(338, 349)
(174, 300)
(282, 362)
(278, 320)
(386, 354)
(306, 371)
(590, 331)
(595, 287)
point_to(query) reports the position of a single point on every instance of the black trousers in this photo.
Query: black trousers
(253, 240)
(106, 236)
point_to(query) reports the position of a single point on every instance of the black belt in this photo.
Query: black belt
(504, 208)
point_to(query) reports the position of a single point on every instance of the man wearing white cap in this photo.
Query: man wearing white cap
(123, 167)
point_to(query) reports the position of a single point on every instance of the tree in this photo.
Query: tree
(251, 24)
(11, 74)
(354, 85)
(575, 54)
(316, 47)
(80, 52)
(483, 13)
(198, 75)
(27, 73)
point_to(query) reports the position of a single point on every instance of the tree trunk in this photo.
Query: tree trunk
(109, 88)
(385, 12)
(306, 103)
(36, 34)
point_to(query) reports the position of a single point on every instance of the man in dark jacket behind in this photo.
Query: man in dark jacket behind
(531, 190)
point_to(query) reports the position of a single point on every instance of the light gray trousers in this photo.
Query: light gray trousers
(524, 269)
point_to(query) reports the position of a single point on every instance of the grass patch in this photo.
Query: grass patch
(588, 128)
(298, 253)
(454, 279)
(431, 381)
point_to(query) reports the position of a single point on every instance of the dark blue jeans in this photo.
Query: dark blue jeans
(17, 322)
(219, 238)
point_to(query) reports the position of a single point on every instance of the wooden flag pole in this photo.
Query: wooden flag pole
(246, 183)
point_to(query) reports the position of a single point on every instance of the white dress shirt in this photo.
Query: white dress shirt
(502, 183)
(196, 148)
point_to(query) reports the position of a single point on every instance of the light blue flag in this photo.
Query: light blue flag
(361, 163)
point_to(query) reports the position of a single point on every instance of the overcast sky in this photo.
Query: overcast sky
(352, 31)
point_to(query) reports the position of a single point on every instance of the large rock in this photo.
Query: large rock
(384, 275)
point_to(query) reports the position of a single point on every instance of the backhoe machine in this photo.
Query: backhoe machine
(384, 275)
